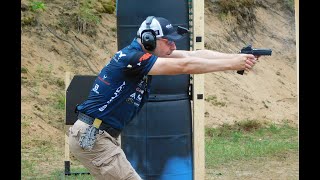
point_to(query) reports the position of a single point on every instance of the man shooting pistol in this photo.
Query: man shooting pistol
(255, 52)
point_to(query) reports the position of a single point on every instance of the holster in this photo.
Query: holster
(88, 138)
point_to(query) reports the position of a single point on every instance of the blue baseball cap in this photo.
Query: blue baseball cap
(162, 28)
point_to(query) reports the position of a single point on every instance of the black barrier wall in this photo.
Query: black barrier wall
(158, 142)
(77, 91)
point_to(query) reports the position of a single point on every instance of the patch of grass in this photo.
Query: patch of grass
(80, 177)
(60, 101)
(231, 5)
(34, 151)
(65, 25)
(28, 19)
(76, 173)
(28, 168)
(238, 13)
(248, 125)
(42, 146)
(30, 84)
(247, 140)
(290, 5)
(114, 29)
(87, 14)
(43, 72)
(60, 83)
(87, 17)
(24, 121)
(109, 6)
(37, 6)
(24, 70)
(24, 124)
(214, 101)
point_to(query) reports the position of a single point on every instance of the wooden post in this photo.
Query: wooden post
(296, 8)
(68, 79)
(198, 94)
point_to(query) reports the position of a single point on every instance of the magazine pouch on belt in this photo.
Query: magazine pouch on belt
(87, 139)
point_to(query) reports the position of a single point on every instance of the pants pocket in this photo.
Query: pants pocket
(73, 132)
(108, 165)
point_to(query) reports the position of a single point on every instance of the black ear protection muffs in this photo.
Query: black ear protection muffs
(148, 36)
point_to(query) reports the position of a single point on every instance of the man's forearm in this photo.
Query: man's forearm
(209, 54)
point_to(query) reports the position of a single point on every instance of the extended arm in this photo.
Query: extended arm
(208, 54)
(187, 63)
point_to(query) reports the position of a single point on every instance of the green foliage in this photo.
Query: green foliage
(60, 101)
(28, 168)
(273, 128)
(238, 13)
(114, 29)
(60, 83)
(65, 25)
(290, 5)
(226, 130)
(24, 70)
(37, 6)
(24, 124)
(109, 7)
(234, 5)
(214, 101)
(28, 19)
(234, 142)
(248, 125)
(87, 17)
(34, 152)
(87, 12)
(79, 174)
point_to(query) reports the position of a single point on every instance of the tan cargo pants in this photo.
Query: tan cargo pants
(106, 160)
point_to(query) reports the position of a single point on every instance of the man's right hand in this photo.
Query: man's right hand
(244, 62)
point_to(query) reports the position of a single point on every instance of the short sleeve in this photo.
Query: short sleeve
(140, 64)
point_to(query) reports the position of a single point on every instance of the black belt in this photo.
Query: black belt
(103, 126)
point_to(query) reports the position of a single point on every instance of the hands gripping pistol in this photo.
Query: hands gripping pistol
(256, 52)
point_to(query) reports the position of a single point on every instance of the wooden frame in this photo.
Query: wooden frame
(68, 79)
(198, 94)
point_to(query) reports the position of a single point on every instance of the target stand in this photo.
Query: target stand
(77, 90)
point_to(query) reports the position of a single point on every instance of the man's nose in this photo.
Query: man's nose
(173, 46)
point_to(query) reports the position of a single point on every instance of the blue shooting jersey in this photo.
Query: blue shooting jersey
(121, 88)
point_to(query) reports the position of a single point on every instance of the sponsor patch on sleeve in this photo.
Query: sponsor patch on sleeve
(145, 56)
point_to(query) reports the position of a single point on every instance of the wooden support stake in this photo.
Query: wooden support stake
(198, 95)
(296, 8)
(68, 79)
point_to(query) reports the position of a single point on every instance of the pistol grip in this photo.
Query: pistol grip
(240, 72)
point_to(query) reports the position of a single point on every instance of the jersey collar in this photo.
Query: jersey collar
(136, 45)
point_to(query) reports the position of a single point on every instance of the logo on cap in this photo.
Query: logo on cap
(169, 26)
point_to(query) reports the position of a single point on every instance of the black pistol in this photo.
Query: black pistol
(260, 52)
